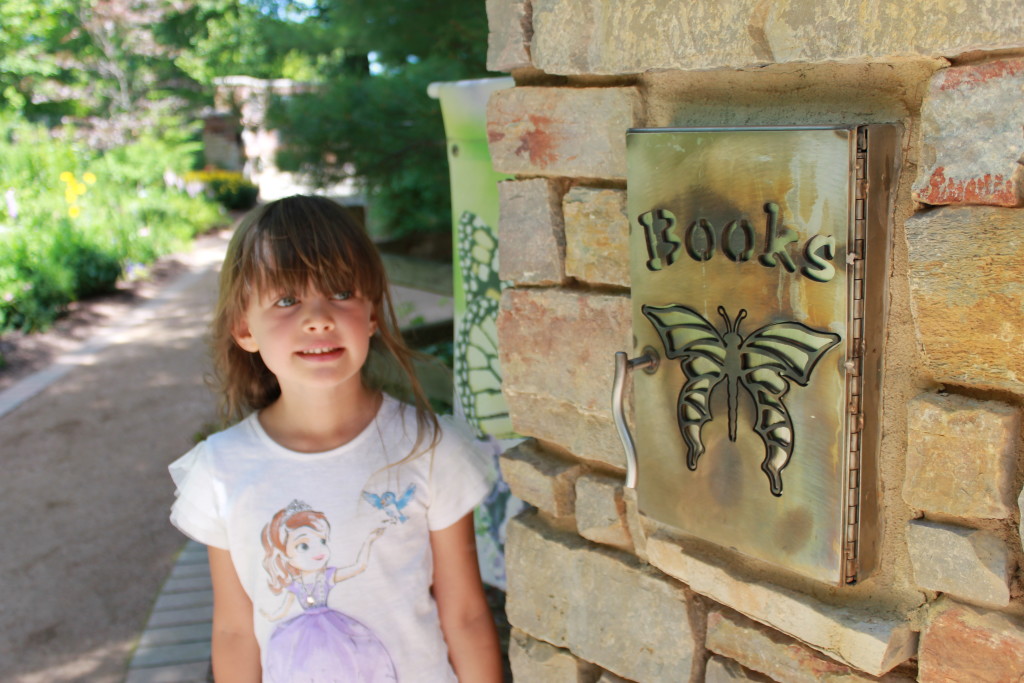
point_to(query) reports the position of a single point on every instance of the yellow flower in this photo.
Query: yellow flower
(80, 188)
(70, 196)
(89, 177)
(74, 210)
(67, 177)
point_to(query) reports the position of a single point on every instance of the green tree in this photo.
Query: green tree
(229, 37)
(397, 30)
(99, 63)
(382, 127)
(120, 68)
(29, 41)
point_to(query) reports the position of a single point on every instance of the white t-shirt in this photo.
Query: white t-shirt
(333, 548)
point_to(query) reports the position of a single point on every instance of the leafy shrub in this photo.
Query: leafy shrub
(71, 219)
(229, 188)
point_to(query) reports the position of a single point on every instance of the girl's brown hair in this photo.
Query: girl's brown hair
(289, 245)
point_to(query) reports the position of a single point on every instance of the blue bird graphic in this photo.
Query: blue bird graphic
(390, 503)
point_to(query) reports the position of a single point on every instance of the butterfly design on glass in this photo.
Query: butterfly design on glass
(763, 363)
(477, 370)
(390, 503)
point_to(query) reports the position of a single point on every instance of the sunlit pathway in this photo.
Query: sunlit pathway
(84, 447)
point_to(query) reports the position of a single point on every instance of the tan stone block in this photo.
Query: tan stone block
(967, 563)
(963, 643)
(961, 456)
(721, 670)
(870, 642)
(613, 590)
(970, 136)
(510, 31)
(534, 660)
(601, 512)
(557, 351)
(967, 294)
(635, 523)
(634, 36)
(596, 236)
(571, 132)
(561, 344)
(827, 93)
(588, 435)
(541, 479)
(773, 654)
(532, 232)
(541, 567)
(577, 596)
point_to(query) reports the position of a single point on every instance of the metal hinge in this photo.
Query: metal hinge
(855, 356)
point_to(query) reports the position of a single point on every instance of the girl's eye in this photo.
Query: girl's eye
(303, 547)
(286, 301)
(341, 296)
(323, 541)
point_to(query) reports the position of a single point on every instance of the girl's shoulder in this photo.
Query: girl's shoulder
(241, 433)
(454, 438)
(221, 447)
(396, 415)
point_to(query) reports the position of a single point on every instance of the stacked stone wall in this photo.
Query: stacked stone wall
(598, 592)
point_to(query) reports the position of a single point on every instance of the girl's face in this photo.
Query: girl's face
(307, 549)
(309, 339)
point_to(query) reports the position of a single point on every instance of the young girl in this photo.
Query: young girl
(327, 465)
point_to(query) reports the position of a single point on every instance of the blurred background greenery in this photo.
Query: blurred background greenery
(101, 108)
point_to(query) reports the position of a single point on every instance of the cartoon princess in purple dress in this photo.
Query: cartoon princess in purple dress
(320, 644)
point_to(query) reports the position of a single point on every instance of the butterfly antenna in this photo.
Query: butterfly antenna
(739, 318)
(725, 316)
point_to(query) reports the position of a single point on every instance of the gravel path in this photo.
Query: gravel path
(89, 421)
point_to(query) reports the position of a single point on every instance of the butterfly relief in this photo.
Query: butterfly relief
(477, 370)
(763, 363)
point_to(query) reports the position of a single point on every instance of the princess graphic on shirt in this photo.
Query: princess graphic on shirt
(320, 644)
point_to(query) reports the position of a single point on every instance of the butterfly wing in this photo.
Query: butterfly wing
(476, 366)
(770, 358)
(690, 338)
(478, 369)
(478, 256)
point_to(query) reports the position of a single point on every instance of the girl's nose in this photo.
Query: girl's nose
(318, 319)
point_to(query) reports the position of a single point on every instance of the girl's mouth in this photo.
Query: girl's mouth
(325, 351)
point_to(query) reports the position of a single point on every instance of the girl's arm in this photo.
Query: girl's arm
(236, 654)
(465, 616)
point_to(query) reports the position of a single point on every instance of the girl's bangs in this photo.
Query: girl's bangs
(285, 261)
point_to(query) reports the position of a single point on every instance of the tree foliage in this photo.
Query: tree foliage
(100, 64)
(383, 127)
(229, 37)
(120, 69)
(29, 42)
(451, 31)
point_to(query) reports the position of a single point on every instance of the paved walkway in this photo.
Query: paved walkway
(84, 445)
(175, 647)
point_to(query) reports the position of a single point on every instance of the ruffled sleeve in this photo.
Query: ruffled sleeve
(462, 473)
(196, 510)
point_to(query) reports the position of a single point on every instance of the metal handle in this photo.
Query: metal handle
(649, 361)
